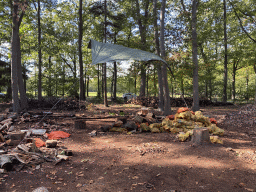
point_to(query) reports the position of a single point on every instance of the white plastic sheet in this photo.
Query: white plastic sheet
(105, 52)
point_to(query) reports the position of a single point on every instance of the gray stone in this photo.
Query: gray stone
(138, 119)
(40, 189)
(93, 133)
(130, 125)
(200, 136)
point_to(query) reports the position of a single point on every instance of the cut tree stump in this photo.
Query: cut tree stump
(80, 124)
(200, 136)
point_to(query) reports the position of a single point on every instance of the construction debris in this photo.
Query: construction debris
(184, 122)
(174, 102)
(20, 148)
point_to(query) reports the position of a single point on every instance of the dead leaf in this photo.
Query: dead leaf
(252, 190)
(79, 185)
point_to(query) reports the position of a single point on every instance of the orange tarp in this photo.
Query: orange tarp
(57, 135)
(39, 142)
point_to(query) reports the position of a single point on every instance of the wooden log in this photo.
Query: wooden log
(51, 143)
(200, 136)
(80, 124)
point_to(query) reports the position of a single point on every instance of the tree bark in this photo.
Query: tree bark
(254, 67)
(14, 63)
(114, 81)
(195, 106)
(82, 92)
(23, 97)
(225, 81)
(159, 71)
(105, 64)
(235, 65)
(114, 77)
(143, 80)
(16, 69)
(49, 87)
(39, 53)
(167, 106)
(98, 93)
(142, 30)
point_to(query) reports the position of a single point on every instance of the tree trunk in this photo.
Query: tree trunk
(159, 71)
(234, 82)
(16, 69)
(98, 94)
(63, 81)
(247, 86)
(142, 30)
(39, 53)
(143, 80)
(50, 77)
(254, 67)
(14, 63)
(135, 79)
(167, 106)
(114, 81)
(114, 76)
(195, 106)
(87, 87)
(105, 64)
(82, 92)
(23, 97)
(225, 55)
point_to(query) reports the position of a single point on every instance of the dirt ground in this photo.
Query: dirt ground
(113, 162)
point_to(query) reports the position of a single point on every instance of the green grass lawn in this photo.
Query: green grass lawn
(94, 94)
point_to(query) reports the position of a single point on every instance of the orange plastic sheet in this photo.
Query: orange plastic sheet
(212, 120)
(171, 117)
(57, 135)
(182, 109)
(39, 142)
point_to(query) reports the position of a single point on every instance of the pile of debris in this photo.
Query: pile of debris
(25, 148)
(174, 102)
(57, 103)
(183, 122)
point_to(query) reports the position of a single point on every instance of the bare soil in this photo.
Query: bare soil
(113, 162)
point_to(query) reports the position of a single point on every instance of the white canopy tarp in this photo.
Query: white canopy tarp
(105, 52)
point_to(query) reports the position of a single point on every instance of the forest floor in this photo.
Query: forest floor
(113, 162)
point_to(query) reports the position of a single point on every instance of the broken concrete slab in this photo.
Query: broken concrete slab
(38, 131)
(16, 135)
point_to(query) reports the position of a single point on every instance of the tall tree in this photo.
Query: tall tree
(159, 71)
(105, 64)
(225, 81)
(142, 21)
(167, 106)
(16, 72)
(194, 57)
(39, 51)
(82, 90)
